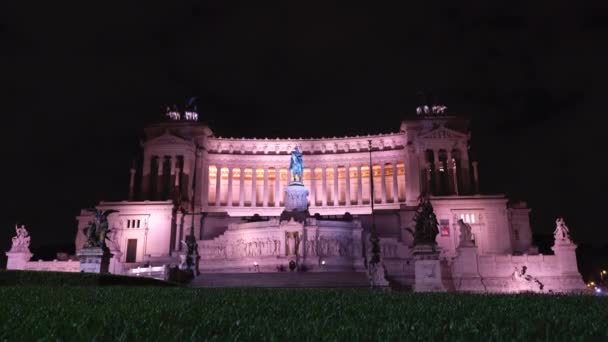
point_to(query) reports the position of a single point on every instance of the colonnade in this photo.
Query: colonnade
(328, 185)
(162, 176)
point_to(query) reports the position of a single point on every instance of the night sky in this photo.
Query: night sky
(79, 81)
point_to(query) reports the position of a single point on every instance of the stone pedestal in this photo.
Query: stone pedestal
(296, 197)
(94, 260)
(377, 276)
(116, 266)
(17, 260)
(465, 271)
(571, 279)
(427, 270)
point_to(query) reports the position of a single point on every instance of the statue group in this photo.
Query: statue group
(97, 230)
(21, 241)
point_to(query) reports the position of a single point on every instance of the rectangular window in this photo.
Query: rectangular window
(128, 223)
(131, 250)
(138, 223)
(444, 227)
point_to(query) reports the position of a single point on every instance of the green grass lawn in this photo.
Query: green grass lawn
(127, 313)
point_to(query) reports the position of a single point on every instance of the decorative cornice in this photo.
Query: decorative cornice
(310, 146)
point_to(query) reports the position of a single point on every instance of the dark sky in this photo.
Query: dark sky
(78, 82)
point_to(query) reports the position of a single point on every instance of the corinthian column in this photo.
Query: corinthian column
(359, 186)
(347, 184)
(265, 190)
(336, 198)
(313, 187)
(324, 185)
(395, 184)
(230, 175)
(132, 184)
(159, 178)
(253, 187)
(218, 186)
(383, 180)
(277, 179)
(242, 187)
(475, 177)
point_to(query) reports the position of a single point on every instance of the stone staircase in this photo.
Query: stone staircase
(283, 280)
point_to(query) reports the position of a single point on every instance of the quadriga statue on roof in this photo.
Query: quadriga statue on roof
(296, 165)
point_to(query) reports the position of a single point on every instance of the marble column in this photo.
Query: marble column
(218, 186)
(324, 186)
(159, 178)
(253, 187)
(412, 175)
(336, 197)
(438, 174)
(265, 190)
(145, 176)
(132, 184)
(177, 176)
(204, 184)
(242, 187)
(383, 180)
(455, 176)
(359, 185)
(395, 184)
(347, 184)
(170, 182)
(429, 177)
(475, 178)
(313, 187)
(229, 195)
(277, 180)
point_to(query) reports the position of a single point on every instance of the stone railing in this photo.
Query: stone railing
(53, 266)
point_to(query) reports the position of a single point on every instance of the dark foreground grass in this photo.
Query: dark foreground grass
(183, 314)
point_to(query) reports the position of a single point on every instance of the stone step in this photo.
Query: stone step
(283, 280)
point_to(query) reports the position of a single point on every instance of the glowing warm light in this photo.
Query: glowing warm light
(322, 262)
(255, 263)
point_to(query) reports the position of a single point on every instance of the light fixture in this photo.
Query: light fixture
(255, 263)
(322, 262)
(598, 290)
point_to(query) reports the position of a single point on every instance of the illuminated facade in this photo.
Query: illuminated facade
(231, 181)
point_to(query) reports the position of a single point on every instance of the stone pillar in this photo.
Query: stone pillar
(265, 190)
(218, 186)
(336, 197)
(427, 270)
(429, 177)
(455, 176)
(383, 180)
(171, 182)
(198, 173)
(464, 270)
(412, 176)
(159, 178)
(177, 176)
(229, 196)
(132, 184)
(324, 186)
(438, 164)
(475, 178)
(204, 184)
(277, 185)
(347, 184)
(242, 188)
(145, 176)
(395, 184)
(313, 187)
(359, 185)
(253, 187)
